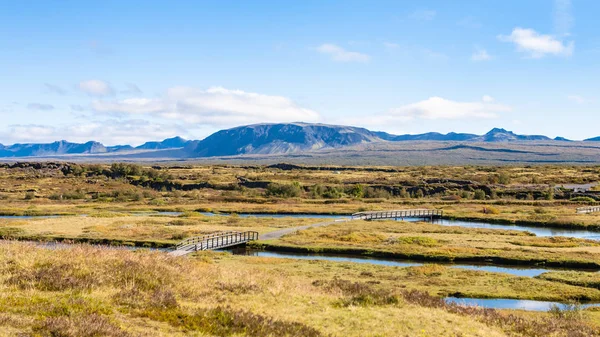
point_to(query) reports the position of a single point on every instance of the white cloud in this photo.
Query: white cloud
(563, 17)
(339, 54)
(487, 98)
(538, 45)
(96, 88)
(108, 132)
(215, 106)
(424, 15)
(40, 106)
(480, 55)
(77, 107)
(440, 108)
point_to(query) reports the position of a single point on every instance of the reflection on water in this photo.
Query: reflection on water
(503, 303)
(514, 270)
(538, 231)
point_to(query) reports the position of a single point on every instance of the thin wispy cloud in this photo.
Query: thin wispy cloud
(390, 45)
(108, 132)
(480, 54)
(433, 55)
(469, 22)
(423, 15)
(96, 88)
(54, 89)
(578, 99)
(536, 45)
(563, 17)
(132, 89)
(99, 48)
(40, 106)
(340, 54)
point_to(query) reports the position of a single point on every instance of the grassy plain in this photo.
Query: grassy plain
(429, 242)
(86, 291)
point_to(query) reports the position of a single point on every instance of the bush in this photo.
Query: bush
(357, 191)
(284, 190)
(479, 195)
(490, 210)
(68, 195)
(333, 192)
(374, 193)
(504, 179)
(583, 199)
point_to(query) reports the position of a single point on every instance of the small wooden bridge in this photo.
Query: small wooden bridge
(589, 209)
(399, 214)
(213, 241)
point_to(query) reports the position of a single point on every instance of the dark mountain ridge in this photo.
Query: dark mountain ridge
(263, 139)
(278, 139)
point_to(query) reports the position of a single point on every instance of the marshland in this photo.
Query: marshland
(85, 250)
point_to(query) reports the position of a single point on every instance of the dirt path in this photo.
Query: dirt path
(279, 233)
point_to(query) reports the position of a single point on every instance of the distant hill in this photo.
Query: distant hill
(90, 148)
(118, 148)
(170, 143)
(595, 139)
(501, 135)
(279, 139)
(433, 136)
(60, 147)
(286, 139)
(494, 135)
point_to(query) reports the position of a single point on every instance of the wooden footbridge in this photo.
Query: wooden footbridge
(589, 209)
(213, 241)
(399, 214)
(229, 239)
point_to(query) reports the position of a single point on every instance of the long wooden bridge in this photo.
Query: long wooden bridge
(213, 241)
(589, 209)
(399, 214)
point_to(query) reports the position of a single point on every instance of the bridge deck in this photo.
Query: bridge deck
(214, 241)
(589, 209)
(398, 214)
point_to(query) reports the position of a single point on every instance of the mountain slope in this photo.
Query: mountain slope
(433, 136)
(501, 135)
(279, 139)
(170, 143)
(60, 147)
(494, 135)
(264, 139)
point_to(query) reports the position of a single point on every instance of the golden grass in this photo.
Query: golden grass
(76, 290)
(436, 242)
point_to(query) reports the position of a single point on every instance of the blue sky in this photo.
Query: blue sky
(131, 71)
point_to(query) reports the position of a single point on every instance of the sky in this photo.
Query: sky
(126, 72)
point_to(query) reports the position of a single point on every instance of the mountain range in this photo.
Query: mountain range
(265, 139)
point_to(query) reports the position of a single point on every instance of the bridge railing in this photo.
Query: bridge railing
(227, 240)
(217, 240)
(399, 214)
(197, 239)
(588, 209)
